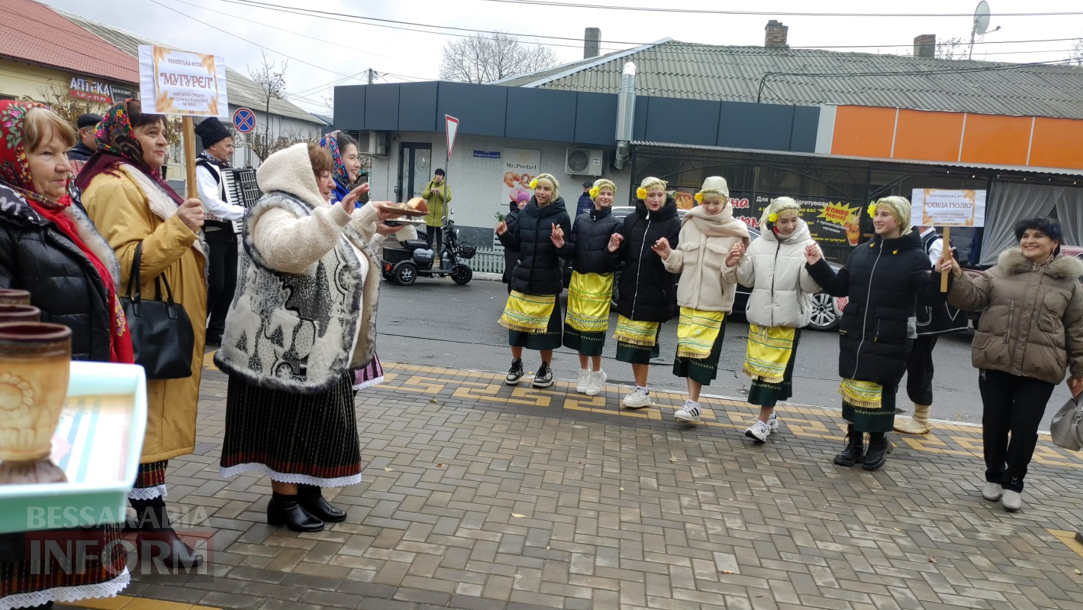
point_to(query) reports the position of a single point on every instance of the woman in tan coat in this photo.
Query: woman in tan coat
(127, 200)
(1030, 331)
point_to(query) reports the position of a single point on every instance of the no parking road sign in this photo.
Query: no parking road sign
(244, 120)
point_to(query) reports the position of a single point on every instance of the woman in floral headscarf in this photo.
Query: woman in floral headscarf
(49, 247)
(347, 161)
(131, 205)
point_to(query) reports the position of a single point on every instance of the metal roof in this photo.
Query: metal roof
(810, 77)
(33, 33)
(1014, 169)
(242, 90)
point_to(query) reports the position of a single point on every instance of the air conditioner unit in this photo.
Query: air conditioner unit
(373, 143)
(583, 161)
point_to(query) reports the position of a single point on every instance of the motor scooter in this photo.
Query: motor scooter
(414, 258)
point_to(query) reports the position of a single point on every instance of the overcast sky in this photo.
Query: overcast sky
(327, 51)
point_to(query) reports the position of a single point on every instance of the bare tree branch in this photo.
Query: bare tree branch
(271, 79)
(487, 58)
(951, 48)
(1075, 56)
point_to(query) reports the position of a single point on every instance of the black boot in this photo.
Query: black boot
(311, 499)
(154, 531)
(287, 510)
(878, 449)
(855, 448)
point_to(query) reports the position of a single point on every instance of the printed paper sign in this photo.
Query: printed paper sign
(182, 82)
(948, 208)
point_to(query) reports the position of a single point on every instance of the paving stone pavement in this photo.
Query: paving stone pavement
(480, 496)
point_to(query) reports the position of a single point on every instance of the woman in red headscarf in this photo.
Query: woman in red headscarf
(49, 247)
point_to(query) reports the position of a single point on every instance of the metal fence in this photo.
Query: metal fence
(488, 261)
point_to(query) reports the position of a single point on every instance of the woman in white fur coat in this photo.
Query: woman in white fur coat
(778, 308)
(303, 320)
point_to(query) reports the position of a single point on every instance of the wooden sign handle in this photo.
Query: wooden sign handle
(189, 129)
(945, 256)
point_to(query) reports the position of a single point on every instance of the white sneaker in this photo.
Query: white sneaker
(689, 414)
(582, 381)
(637, 399)
(596, 383)
(992, 491)
(772, 422)
(1011, 500)
(758, 431)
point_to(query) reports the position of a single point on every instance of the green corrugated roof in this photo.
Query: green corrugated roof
(810, 77)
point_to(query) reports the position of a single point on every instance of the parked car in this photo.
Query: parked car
(826, 309)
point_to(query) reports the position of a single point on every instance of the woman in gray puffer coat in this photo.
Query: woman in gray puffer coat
(778, 308)
(1030, 331)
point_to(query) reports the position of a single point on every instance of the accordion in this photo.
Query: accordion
(241, 189)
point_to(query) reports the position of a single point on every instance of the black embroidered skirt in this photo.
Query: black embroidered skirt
(33, 579)
(308, 439)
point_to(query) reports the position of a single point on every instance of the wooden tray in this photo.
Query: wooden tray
(97, 444)
(406, 213)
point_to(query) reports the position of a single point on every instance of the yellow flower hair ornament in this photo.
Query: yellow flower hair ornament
(641, 193)
(772, 218)
(534, 184)
(699, 198)
(872, 209)
(594, 192)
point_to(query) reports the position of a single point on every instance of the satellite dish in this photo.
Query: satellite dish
(981, 18)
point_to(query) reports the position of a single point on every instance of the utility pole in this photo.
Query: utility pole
(371, 75)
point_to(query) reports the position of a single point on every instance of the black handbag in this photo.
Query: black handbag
(162, 336)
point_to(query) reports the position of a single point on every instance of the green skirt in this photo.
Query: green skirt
(638, 354)
(584, 343)
(873, 420)
(550, 339)
(768, 394)
(701, 370)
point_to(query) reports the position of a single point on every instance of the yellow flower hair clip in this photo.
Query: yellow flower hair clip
(594, 193)
(534, 184)
(641, 193)
(699, 198)
(772, 217)
(872, 209)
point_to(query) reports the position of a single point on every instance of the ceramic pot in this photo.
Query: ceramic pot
(19, 313)
(12, 296)
(35, 361)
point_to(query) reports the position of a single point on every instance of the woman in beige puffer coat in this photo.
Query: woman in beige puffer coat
(778, 308)
(1030, 331)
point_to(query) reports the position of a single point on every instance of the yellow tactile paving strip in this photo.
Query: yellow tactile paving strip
(801, 421)
(1069, 540)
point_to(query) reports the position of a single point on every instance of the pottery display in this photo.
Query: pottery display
(12, 296)
(19, 313)
(35, 361)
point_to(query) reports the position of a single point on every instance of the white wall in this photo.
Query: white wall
(478, 192)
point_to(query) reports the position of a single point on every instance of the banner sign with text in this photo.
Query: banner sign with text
(948, 208)
(182, 82)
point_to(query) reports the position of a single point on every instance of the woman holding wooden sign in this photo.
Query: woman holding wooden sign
(1031, 330)
(883, 279)
(129, 202)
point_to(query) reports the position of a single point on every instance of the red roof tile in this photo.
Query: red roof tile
(34, 33)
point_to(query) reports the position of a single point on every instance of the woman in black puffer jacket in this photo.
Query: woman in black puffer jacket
(884, 278)
(532, 315)
(647, 291)
(591, 289)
